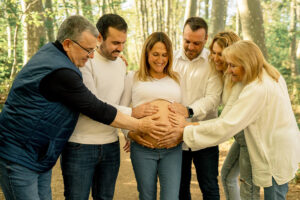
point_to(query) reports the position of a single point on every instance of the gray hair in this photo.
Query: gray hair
(74, 26)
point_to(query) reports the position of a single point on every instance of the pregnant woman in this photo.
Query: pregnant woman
(157, 83)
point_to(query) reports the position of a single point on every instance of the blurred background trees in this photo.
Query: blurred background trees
(26, 25)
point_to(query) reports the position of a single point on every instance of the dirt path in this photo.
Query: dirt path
(126, 184)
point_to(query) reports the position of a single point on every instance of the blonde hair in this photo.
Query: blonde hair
(143, 74)
(248, 55)
(223, 39)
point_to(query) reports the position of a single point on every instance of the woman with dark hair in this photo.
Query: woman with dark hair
(155, 82)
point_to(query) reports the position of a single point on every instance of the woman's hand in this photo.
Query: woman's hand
(138, 137)
(124, 59)
(177, 120)
(126, 147)
(179, 109)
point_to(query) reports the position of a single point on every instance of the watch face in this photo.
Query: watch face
(191, 112)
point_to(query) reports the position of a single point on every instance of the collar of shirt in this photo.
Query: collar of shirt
(203, 55)
(60, 47)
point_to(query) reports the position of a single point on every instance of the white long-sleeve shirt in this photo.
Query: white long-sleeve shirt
(200, 87)
(105, 78)
(264, 111)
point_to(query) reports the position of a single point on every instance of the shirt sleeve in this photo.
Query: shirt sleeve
(127, 95)
(89, 81)
(66, 86)
(244, 111)
(211, 100)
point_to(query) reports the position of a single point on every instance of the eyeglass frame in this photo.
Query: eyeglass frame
(88, 51)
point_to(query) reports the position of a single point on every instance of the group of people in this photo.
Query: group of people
(167, 110)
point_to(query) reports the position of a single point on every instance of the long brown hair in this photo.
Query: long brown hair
(143, 74)
(223, 39)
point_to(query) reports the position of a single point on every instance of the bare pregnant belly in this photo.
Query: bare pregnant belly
(163, 117)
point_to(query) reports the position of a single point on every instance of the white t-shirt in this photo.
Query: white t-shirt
(105, 79)
(138, 92)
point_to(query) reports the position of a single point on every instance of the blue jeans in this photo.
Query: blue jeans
(206, 163)
(149, 163)
(276, 192)
(238, 163)
(90, 166)
(21, 183)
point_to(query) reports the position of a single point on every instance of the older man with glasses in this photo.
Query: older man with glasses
(42, 109)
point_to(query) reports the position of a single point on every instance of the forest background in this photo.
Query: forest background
(26, 25)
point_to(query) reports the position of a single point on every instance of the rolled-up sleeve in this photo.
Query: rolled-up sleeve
(211, 99)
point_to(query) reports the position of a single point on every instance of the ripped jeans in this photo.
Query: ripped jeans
(238, 163)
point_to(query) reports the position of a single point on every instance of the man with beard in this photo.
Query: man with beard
(201, 89)
(91, 159)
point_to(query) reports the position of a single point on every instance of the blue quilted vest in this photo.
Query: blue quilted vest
(33, 130)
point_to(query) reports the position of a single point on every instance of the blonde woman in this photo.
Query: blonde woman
(237, 162)
(263, 110)
(157, 83)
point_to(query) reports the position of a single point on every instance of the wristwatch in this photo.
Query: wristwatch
(190, 112)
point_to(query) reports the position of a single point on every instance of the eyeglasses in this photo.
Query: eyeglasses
(88, 51)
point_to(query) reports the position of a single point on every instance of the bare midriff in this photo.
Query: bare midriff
(163, 112)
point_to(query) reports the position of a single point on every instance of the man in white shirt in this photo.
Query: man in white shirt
(91, 159)
(201, 90)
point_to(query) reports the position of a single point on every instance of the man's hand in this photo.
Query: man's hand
(138, 137)
(154, 129)
(172, 139)
(144, 110)
(179, 109)
(124, 59)
(126, 147)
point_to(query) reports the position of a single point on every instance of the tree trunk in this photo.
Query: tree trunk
(168, 17)
(153, 17)
(36, 35)
(14, 65)
(66, 8)
(238, 26)
(77, 6)
(25, 10)
(206, 9)
(190, 9)
(49, 20)
(292, 50)
(146, 18)
(86, 8)
(9, 34)
(218, 16)
(252, 22)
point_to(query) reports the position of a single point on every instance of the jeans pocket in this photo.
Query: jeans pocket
(73, 146)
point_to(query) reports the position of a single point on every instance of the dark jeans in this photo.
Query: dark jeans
(206, 163)
(276, 192)
(90, 166)
(21, 183)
